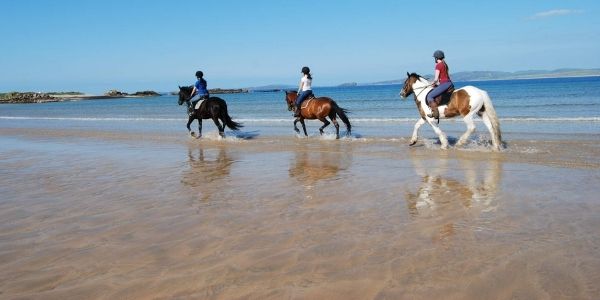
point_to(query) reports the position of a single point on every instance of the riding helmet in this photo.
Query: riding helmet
(305, 70)
(199, 74)
(438, 54)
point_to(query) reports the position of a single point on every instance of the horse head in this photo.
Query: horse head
(290, 99)
(407, 89)
(185, 92)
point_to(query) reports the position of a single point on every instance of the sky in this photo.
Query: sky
(131, 45)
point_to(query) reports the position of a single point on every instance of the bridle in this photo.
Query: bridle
(422, 89)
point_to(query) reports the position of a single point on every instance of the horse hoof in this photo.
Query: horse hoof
(192, 133)
(412, 143)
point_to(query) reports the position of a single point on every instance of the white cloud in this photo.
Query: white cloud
(554, 13)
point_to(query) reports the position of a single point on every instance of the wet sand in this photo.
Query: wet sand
(103, 215)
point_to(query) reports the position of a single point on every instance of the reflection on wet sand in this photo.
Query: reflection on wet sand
(439, 186)
(450, 187)
(208, 170)
(312, 166)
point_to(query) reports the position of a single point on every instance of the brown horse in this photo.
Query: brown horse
(318, 108)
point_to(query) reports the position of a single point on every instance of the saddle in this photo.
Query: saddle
(444, 98)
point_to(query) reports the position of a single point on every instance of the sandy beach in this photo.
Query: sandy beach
(104, 215)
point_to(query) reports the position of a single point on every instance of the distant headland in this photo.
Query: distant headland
(39, 97)
(497, 75)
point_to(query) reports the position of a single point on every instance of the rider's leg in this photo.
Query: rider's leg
(433, 104)
(193, 101)
(299, 100)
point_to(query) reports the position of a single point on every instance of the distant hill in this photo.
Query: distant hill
(497, 75)
(348, 84)
(271, 87)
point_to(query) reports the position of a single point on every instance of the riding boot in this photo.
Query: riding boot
(190, 110)
(297, 112)
(435, 113)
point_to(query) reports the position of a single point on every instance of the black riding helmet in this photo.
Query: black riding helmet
(305, 70)
(438, 54)
(199, 74)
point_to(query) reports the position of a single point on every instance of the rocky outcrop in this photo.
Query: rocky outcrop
(115, 93)
(227, 91)
(146, 94)
(28, 97)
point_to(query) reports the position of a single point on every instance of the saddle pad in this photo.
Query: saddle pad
(198, 104)
(305, 103)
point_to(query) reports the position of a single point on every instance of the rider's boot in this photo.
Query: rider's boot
(435, 112)
(190, 110)
(297, 112)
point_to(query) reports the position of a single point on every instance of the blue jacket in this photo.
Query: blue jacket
(201, 87)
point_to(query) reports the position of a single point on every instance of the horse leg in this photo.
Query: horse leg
(326, 123)
(190, 120)
(303, 126)
(199, 127)
(221, 128)
(337, 127)
(468, 119)
(488, 124)
(295, 127)
(439, 132)
(415, 135)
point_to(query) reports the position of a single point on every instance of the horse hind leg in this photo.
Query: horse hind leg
(468, 119)
(325, 124)
(337, 127)
(221, 128)
(488, 124)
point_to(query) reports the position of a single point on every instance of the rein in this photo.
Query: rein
(422, 89)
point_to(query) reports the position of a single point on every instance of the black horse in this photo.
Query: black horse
(213, 108)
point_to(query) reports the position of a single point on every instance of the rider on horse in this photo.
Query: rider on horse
(304, 90)
(441, 81)
(199, 92)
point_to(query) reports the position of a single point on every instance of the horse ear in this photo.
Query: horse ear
(179, 86)
(407, 74)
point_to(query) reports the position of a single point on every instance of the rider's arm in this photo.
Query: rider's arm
(300, 87)
(194, 90)
(437, 77)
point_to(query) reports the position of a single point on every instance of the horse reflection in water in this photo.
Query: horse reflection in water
(311, 166)
(209, 170)
(448, 193)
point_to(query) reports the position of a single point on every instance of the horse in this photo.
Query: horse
(213, 108)
(465, 102)
(318, 108)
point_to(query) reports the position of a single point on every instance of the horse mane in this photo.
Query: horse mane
(415, 75)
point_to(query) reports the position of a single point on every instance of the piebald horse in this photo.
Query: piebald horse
(465, 102)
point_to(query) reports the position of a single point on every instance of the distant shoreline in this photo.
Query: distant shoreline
(41, 97)
(34, 97)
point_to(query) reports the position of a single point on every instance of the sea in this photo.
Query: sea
(532, 109)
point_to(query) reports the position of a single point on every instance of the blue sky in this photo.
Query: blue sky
(93, 46)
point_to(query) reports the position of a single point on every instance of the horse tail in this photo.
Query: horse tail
(490, 112)
(341, 112)
(227, 119)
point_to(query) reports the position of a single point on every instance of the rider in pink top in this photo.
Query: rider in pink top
(441, 81)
